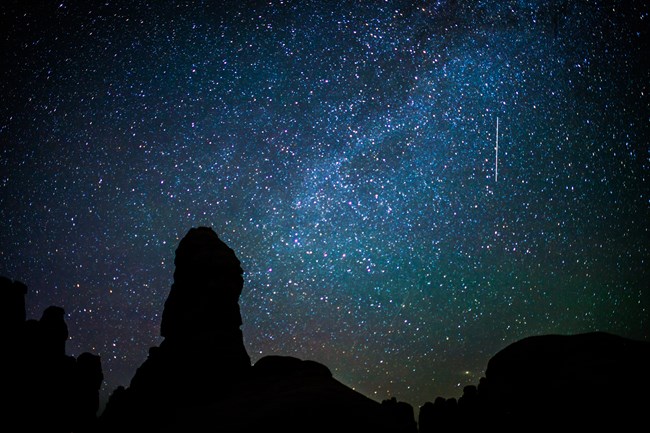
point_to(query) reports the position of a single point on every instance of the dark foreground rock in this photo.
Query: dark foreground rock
(291, 395)
(553, 382)
(44, 389)
(201, 378)
(591, 378)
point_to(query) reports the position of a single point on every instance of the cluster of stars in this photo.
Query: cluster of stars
(345, 151)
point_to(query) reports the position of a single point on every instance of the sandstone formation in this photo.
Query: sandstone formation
(583, 381)
(44, 389)
(202, 355)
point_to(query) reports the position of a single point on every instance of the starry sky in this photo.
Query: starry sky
(346, 150)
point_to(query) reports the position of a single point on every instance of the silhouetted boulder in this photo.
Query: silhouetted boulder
(427, 418)
(44, 389)
(469, 409)
(450, 419)
(586, 379)
(13, 330)
(285, 366)
(401, 414)
(287, 394)
(12, 304)
(88, 381)
(439, 416)
(53, 332)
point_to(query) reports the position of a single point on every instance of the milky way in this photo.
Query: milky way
(346, 152)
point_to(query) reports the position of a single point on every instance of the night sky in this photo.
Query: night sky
(346, 152)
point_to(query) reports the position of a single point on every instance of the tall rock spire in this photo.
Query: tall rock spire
(202, 355)
(204, 298)
(201, 317)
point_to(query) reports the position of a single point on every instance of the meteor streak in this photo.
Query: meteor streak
(496, 159)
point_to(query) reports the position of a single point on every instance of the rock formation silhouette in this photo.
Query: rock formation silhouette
(203, 353)
(584, 381)
(45, 389)
(201, 375)
(287, 394)
(592, 379)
